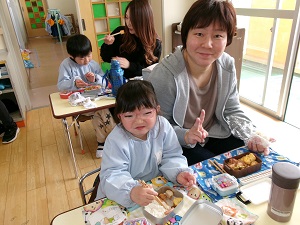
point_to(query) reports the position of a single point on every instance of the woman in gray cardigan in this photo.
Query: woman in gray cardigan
(196, 86)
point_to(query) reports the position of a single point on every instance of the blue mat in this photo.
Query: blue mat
(205, 171)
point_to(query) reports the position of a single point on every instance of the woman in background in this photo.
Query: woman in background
(139, 46)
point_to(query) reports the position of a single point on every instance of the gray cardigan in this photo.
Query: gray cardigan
(171, 84)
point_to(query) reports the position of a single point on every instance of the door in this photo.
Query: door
(86, 20)
(291, 115)
(272, 28)
(34, 12)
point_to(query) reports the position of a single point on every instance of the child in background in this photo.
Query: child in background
(80, 71)
(8, 128)
(142, 146)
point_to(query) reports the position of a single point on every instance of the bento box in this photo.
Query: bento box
(224, 184)
(202, 212)
(242, 165)
(156, 213)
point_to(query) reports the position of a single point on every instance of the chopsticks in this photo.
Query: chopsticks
(218, 167)
(143, 183)
(120, 32)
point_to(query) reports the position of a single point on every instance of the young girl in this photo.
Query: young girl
(142, 146)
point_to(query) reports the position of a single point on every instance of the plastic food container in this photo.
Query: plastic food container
(65, 94)
(242, 172)
(224, 184)
(163, 220)
(255, 192)
(202, 212)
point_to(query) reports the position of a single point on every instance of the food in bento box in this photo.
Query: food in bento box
(176, 201)
(242, 165)
(163, 204)
(244, 162)
(168, 202)
(169, 193)
(163, 196)
(92, 88)
(155, 209)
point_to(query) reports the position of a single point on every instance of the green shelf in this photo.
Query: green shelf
(114, 23)
(99, 11)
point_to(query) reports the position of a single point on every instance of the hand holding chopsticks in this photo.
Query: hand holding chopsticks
(120, 32)
(162, 203)
(218, 167)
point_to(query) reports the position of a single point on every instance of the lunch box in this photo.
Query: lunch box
(202, 212)
(165, 219)
(224, 184)
(242, 172)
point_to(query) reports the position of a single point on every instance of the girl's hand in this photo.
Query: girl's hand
(124, 63)
(108, 39)
(80, 83)
(90, 77)
(186, 179)
(196, 133)
(142, 195)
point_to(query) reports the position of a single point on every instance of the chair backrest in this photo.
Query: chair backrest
(89, 192)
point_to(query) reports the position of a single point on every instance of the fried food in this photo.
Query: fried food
(169, 193)
(176, 201)
(242, 163)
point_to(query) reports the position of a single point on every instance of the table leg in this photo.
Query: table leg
(67, 132)
(79, 131)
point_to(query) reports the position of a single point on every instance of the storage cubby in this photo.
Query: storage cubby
(108, 15)
(100, 18)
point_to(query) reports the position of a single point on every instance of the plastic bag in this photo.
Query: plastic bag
(245, 130)
(235, 212)
(76, 99)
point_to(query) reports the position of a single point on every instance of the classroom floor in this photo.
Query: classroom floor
(46, 55)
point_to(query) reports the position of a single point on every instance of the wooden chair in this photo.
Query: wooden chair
(89, 193)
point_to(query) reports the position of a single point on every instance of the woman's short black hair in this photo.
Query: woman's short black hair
(205, 12)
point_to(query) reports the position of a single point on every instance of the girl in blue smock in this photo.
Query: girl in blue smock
(141, 147)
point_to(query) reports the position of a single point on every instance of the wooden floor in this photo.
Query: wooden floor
(38, 180)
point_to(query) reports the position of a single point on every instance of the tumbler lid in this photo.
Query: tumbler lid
(286, 175)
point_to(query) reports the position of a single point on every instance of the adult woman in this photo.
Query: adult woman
(139, 46)
(199, 81)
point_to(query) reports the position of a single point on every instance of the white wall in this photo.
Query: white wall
(14, 60)
(167, 12)
(18, 23)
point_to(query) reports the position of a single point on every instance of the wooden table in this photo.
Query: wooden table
(61, 109)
